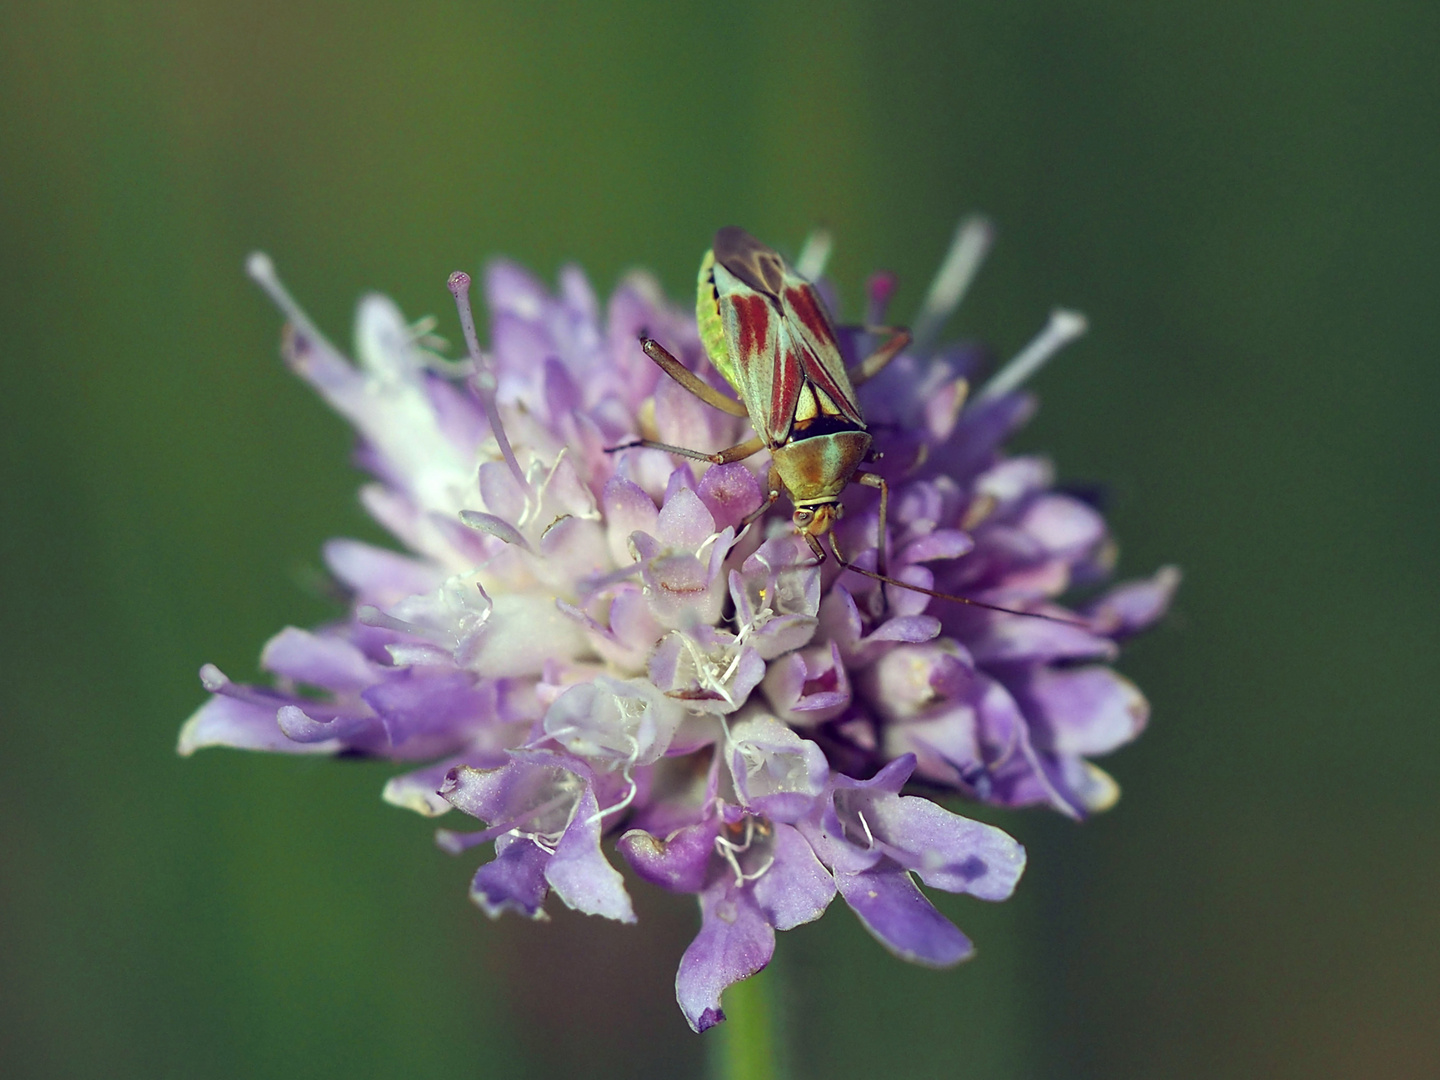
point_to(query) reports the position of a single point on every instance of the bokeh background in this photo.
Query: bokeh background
(1245, 199)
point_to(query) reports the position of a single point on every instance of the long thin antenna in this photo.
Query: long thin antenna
(949, 596)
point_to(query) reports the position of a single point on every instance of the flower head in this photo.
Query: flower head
(578, 643)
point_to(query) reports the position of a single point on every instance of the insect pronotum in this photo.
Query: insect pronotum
(767, 332)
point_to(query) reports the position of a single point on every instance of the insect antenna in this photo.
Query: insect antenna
(885, 579)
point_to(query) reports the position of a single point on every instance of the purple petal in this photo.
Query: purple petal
(579, 872)
(895, 911)
(776, 772)
(940, 544)
(734, 942)
(810, 687)
(680, 862)
(513, 881)
(981, 430)
(684, 521)
(244, 725)
(911, 628)
(1080, 711)
(500, 491)
(1135, 605)
(729, 492)
(360, 732)
(516, 794)
(948, 851)
(510, 288)
(914, 679)
(627, 509)
(1000, 638)
(380, 576)
(429, 713)
(419, 790)
(797, 888)
(561, 395)
(1063, 525)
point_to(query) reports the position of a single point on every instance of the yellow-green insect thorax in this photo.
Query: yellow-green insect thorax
(707, 317)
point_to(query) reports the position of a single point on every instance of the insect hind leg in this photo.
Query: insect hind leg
(875, 363)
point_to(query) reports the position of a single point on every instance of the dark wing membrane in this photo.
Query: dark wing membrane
(820, 355)
(748, 259)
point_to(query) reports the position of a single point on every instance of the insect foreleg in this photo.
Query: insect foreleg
(760, 511)
(875, 363)
(814, 542)
(689, 380)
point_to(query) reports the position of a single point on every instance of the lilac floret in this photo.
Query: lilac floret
(586, 641)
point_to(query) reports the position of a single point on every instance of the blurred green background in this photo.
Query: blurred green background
(1245, 199)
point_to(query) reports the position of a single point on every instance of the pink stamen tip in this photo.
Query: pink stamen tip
(459, 285)
(881, 287)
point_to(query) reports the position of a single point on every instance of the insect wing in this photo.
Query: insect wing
(766, 364)
(821, 362)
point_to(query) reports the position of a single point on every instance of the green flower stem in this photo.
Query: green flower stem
(749, 1044)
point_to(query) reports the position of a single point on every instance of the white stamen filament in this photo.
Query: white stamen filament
(615, 808)
(728, 850)
(1063, 328)
(705, 545)
(962, 262)
(536, 498)
(735, 660)
(869, 836)
(422, 334)
(705, 671)
(546, 842)
(814, 255)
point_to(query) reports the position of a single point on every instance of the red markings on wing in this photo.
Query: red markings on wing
(822, 361)
(784, 390)
(802, 302)
(754, 325)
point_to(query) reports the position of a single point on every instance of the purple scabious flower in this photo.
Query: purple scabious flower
(577, 644)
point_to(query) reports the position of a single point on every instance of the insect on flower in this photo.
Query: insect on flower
(766, 330)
